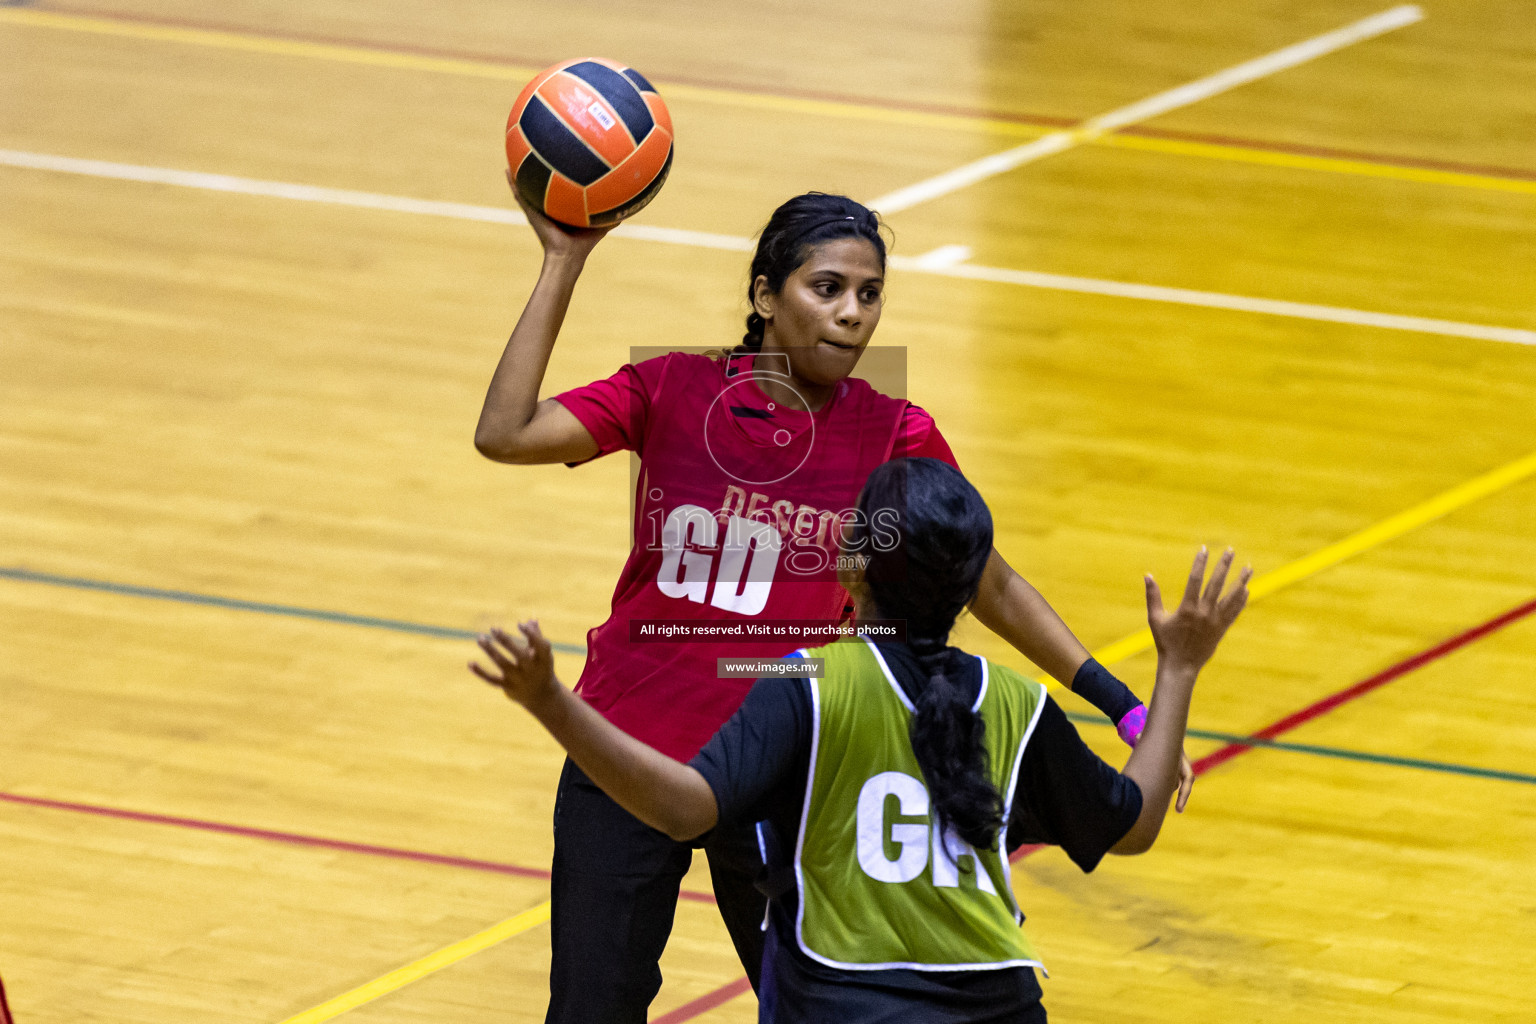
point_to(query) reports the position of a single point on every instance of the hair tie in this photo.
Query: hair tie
(820, 224)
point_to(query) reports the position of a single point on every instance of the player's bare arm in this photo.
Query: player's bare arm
(664, 793)
(1009, 606)
(1186, 638)
(514, 425)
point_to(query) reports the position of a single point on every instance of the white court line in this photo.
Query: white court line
(1221, 300)
(255, 187)
(338, 196)
(1152, 106)
(935, 262)
(943, 256)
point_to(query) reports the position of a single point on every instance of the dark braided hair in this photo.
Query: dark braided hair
(928, 578)
(793, 232)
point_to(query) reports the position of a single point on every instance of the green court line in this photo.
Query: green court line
(291, 611)
(1339, 752)
(450, 633)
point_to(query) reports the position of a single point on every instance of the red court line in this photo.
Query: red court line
(1016, 117)
(1344, 696)
(298, 839)
(705, 1003)
(727, 992)
(1365, 686)
(523, 60)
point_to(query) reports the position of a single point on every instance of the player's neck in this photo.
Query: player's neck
(864, 609)
(794, 393)
(774, 374)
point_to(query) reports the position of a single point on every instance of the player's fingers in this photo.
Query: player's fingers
(533, 215)
(536, 642)
(495, 681)
(1186, 786)
(1242, 582)
(522, 200)
(1233, 601)
(1234, 605)
(1218, 578)
(504, 659)
(1196, 575)
(513, 644)
(541, 224)
(1154, 600)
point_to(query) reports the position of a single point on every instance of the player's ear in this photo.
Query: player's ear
(762, 297)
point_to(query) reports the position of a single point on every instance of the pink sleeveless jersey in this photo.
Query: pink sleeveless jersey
(736, 510)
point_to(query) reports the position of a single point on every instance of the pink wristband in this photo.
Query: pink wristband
(1131, 725)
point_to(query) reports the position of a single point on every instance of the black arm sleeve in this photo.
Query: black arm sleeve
(753, 761)
(1067, 796)
(1098, 686)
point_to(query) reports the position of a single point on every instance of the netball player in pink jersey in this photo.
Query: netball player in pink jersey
(749, 463)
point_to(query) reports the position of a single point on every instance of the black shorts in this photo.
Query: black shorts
(798, 990)
(613, 893)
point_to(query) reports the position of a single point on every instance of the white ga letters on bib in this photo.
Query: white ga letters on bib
(914, 840)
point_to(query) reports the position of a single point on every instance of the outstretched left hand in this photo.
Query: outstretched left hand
(525, 672)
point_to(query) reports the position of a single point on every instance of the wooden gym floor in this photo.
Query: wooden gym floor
(244, 534)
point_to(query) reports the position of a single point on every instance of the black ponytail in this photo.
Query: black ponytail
(794, 230)
(752, 341)
(943, 535)
(947, 739)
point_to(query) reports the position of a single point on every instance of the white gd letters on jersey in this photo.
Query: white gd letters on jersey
(749, 555)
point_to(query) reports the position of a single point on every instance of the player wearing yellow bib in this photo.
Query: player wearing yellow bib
(890, 780)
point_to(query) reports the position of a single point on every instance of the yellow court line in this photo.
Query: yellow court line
(224, 40)
(251, 43)
(429, 964)
(852, 111)
(1302, 161)
(1370, 537)
(465, 67)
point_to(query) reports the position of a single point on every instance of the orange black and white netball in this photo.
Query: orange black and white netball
(589, 142)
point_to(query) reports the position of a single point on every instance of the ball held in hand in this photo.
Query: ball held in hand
(589, 142)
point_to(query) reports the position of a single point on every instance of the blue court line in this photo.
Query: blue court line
(291, 611)
(1347, 755)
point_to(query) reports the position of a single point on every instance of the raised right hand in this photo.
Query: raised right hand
(1187, 637)
(557, 239)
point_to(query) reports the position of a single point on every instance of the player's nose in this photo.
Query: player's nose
(849, 313)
